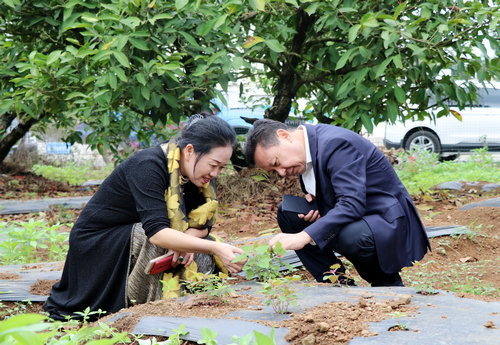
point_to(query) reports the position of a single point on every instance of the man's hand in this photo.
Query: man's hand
(291, 241)
(313, 215)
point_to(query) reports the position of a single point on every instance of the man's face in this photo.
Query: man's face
(288, 158)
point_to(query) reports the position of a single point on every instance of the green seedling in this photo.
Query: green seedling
(263, 263)
(401, 326)
(279, 293)
(333, 275)
(212, 285)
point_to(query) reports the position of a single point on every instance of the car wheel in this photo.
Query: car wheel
(425, 139)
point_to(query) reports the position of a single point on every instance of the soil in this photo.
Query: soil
(248, 211)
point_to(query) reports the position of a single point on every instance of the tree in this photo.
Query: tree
(364, 62)
(117, 66)
(123, 66)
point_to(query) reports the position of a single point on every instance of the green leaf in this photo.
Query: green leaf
(120, 73)
(161, 16)
(146, 92)
(141, 79)
(12, 3)
(343, 59)
(180, 4)
(131, 22)
(353, 32)
(190, 39)
(397, 61)
(53, 57)
(400, 94)
(112, 80)
(259, 5)
(367, 122)
(346, 103)
(122, 59)
(237, 62)
(392, 111)
(220, 21)
(381, 68)
(139, 44)
(251, 41)
(276, 46)
(398, 10)
(89, 17)
(20, 321)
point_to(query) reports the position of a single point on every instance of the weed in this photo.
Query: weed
(279, 293)
(26, 239)
(337, 278)
(72, 173)
(212, 285)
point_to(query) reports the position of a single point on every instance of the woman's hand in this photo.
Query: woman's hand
(182, 258)
(185, 258)
(227, 253)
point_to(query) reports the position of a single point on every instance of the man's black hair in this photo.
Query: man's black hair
(263, 132)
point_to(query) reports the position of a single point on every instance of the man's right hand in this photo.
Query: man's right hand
(313, 215)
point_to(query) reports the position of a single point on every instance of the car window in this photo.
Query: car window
(486, 98)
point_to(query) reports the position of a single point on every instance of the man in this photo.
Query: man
(364, 211)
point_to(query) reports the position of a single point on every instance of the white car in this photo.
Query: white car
(480, 127)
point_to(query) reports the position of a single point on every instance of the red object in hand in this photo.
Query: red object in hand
(159, 264)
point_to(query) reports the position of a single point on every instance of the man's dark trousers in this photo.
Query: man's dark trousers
(355, 242)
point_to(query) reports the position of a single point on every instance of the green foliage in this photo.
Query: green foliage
(72, 173)
(213, 285)
(279, 293)
(334, 277)
(263, 263)
(26, 239)
(420, 170)
(359, 63)
(33, 329)
(118, 66)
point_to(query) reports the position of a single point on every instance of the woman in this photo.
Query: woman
(160, 198)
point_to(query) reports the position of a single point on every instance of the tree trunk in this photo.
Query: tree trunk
(289, 81)
(10, 139)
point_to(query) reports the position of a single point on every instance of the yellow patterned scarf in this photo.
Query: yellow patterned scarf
(200, 217)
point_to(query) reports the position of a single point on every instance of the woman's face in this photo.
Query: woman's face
(209, 165)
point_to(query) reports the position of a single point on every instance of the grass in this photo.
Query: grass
(24, 242)
(72, 173)
(420, 170)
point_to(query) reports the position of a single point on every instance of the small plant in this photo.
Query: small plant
(399, 326)
(482, 157)
(262, 262)
(335, 277)
(212, 285)
(279, 294)
(33, 329)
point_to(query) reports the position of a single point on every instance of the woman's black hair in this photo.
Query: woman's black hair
(206, 131)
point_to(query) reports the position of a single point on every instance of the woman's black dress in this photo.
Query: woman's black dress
(96, 266)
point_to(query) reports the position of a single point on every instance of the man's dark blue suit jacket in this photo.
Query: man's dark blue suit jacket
(355, 180)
